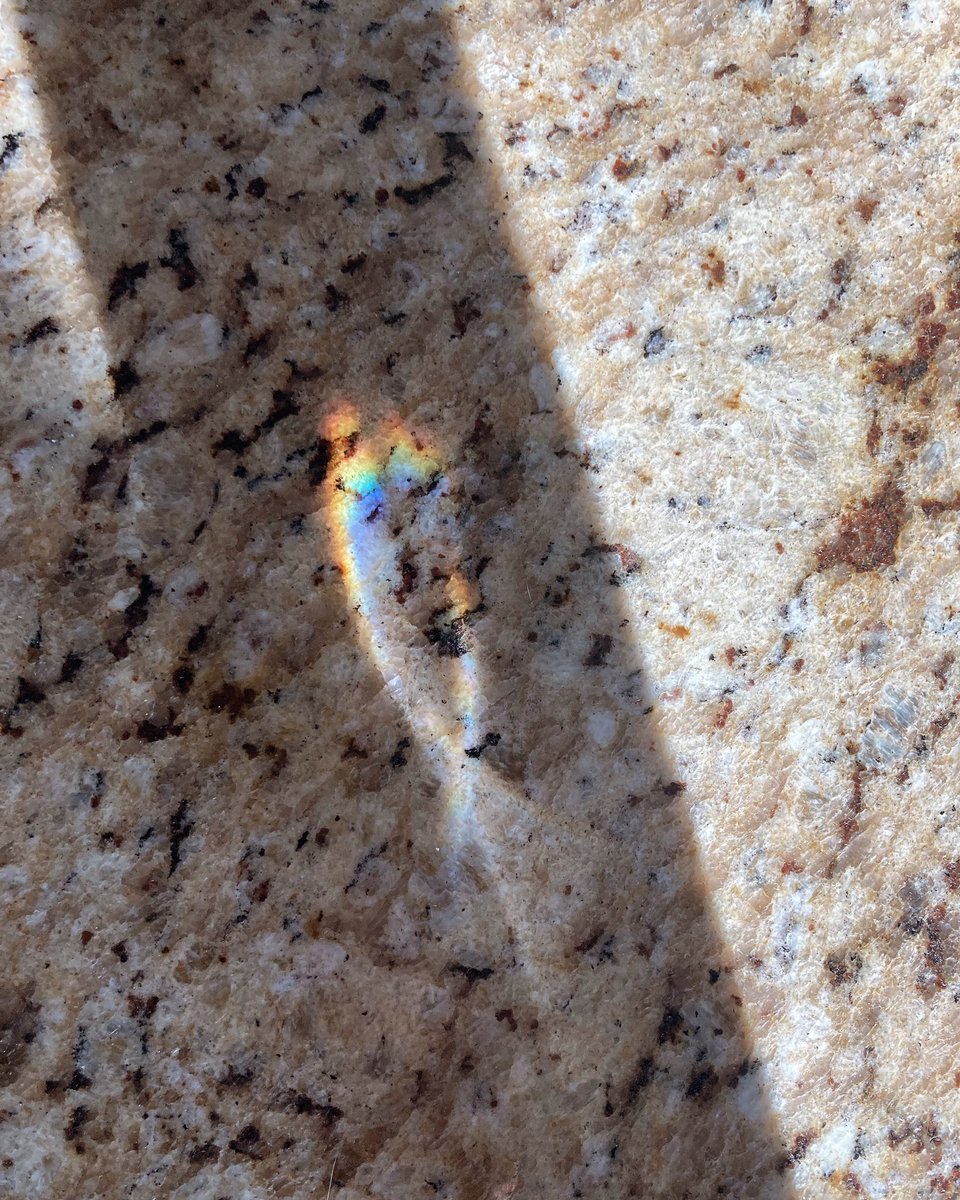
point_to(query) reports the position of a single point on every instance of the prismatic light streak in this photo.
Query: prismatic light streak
(371, 473)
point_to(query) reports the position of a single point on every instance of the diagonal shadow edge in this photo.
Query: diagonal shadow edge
(561, 435)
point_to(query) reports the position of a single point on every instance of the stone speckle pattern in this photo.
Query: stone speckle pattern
(479, 600)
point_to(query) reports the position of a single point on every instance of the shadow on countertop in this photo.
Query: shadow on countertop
(357, 552)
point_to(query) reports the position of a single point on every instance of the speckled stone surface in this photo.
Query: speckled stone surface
(480, 594)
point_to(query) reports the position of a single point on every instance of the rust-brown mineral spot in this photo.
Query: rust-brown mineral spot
(865, 208)
(867, 537)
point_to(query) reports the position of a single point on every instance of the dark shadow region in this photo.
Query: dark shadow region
(313, 961)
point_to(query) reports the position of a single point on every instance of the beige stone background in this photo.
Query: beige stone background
(778, 176)
(670, 293)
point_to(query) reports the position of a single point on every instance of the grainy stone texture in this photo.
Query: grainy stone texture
(480, 597)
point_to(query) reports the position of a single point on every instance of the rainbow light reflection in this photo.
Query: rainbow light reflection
(369, 474)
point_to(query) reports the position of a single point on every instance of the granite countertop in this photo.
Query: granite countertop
(480, 592)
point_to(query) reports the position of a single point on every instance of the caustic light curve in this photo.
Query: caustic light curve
(371, 474)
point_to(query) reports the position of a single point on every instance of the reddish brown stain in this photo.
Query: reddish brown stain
(902, 372)
(798, 117)
(868, 534)
(715, 267)
(900, 375)
(933, 508)
(630, 560)
(848, 827)
(935, 955)
(624, 168)
(856, 799)
(931, 335)
(724, 714)
(672, 202)
(946, 1183)
(865, 208)
(874, 433)
(801, 1144)
(840, 272)
(629, 331)
(940, 669)
(678, 631)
